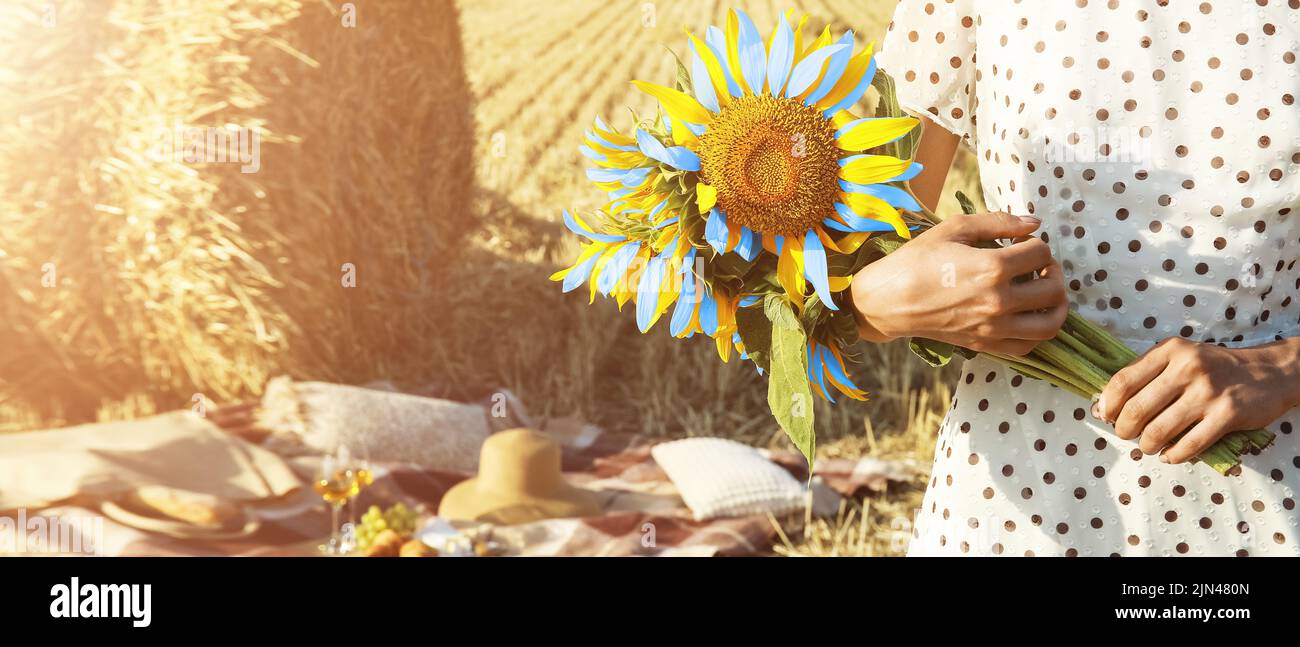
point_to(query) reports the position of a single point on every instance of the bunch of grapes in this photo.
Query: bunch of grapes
(399, 518)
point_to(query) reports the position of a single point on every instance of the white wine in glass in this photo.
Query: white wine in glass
(336, 484)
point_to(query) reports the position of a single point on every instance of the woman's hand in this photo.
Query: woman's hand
(941, 287)
(1202, 389)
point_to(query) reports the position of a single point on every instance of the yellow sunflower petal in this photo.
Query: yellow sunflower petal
(858, 66)
(683, 136)
(789, 270)
(733, 51)
(869, 206)
(873, 169)
(842, 119)
(706, 197)
(716, 75)
(676, 103)
(875, 132)
(840, 283)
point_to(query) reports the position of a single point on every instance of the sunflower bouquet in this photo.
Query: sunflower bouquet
(746, 205)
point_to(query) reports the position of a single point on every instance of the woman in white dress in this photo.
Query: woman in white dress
(1150, 153)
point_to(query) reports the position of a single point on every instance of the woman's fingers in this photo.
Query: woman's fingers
(1169, 424)
(1195, 441)
(1128, 381)
(1025, 258)
(1143, 407)
(1045, 292)
(1035, 326)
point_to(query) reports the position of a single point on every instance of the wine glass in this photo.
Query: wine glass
(362, 474)
(336, 483)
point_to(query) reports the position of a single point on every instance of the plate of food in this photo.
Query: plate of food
(182, 514)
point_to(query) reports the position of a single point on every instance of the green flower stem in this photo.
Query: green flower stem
(1083, 349)
(1116, 353)
(1060, 355)
(1043, 371)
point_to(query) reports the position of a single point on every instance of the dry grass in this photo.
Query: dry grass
(433, 148)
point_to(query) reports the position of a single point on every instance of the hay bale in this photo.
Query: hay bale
(382, 180)
(125, 269)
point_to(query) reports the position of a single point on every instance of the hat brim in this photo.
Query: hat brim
(467, 501)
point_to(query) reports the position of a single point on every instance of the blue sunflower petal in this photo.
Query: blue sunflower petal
(616, 268)
(833, 366)
(753, 53)
(816, 371)
(715, 231)
(747, 248)
(814, 268)
(579, 275)
(911, 172)
(574, 227)
(718, 43)
(709, 314)
(895, 196)
(678, 157)
(703, 85)
(838, 63)
(603, 142)
(591, 153)
(686, 302)
(852, 98)
(855, 222)
(669, 221)
(807, 71)
(830, 223)
(746, 302)
(647, 293)
(781, 58)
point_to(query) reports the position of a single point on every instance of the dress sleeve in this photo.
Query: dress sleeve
(929, 50)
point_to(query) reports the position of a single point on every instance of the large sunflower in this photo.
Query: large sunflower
(755, 154)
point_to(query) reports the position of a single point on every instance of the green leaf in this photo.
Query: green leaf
(967, 205)
(935, 353)
(789, 395)
(756, 332)
(844, 328)
(905, 147)
(683, 75)
(779, 313)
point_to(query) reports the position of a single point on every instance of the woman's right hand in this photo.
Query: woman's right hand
(940, 286)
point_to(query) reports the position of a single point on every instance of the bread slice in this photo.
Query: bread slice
(202, 510)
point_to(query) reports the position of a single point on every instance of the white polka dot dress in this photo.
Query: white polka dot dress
(1159, 141)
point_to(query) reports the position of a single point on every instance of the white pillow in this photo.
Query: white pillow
(724, 478)
(376, 425)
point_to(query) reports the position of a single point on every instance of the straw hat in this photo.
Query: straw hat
(519, 481)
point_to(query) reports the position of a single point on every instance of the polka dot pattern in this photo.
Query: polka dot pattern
(1159, 142)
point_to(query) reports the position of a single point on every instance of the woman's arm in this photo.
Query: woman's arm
(942, 286)
(934, 152)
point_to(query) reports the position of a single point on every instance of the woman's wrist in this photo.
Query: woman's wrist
(868, 326)
(1285, 355)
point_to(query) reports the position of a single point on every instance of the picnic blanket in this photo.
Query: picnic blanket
(642, 514)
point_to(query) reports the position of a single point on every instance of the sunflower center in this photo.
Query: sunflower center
(774, 163)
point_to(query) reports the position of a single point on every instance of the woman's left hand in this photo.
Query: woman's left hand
(1205, 390)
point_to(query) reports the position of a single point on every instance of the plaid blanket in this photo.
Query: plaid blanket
(642, 512)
